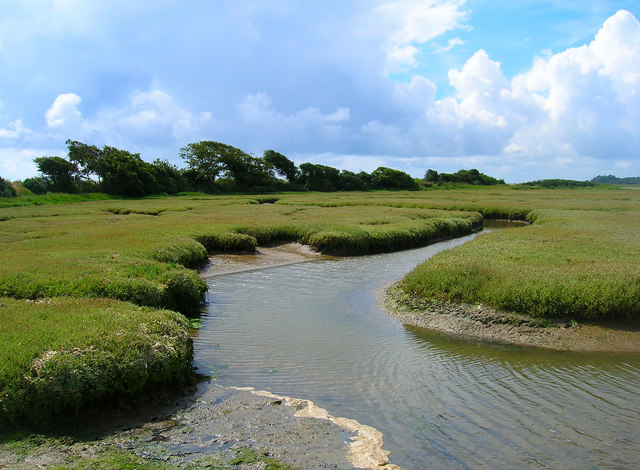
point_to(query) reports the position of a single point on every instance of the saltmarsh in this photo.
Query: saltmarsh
(144, 253)
(88, 264)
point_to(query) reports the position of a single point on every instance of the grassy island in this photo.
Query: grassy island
(89, 291)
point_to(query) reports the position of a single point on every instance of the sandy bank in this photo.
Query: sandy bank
(264, 257)
(487, 324)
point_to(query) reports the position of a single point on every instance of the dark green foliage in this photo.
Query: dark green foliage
(87, 158)
(37, 184)
(350, 181)
(60, 174)
(169, 179)
(6, 188)
(610, 179)
(314, 177)
(472, 176)
(218, 164)
(388, 178)
(282, 165)
(559, 183)
(125, 174)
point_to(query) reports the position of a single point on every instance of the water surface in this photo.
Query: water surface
(314, 330)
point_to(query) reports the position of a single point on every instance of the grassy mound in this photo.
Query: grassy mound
(581, 265)
(63, 353)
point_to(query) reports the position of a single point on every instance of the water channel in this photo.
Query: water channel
(314, 330)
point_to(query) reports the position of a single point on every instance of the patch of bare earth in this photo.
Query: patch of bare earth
(263, 257)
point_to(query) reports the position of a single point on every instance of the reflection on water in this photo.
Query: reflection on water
(314, 330)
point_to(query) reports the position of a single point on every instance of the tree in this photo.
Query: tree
(431, 176)
(319, 177)
(169, 179)
(350, 181)
(388, 178)
(37, 185)
(214, 161)
(60, 173)
(126, 174)
(282, 165)
(87, 159)
(6, 188)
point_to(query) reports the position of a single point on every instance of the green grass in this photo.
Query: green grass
(51, 198)
(579, 259)
(145, 252)
(63, 353)
(581, 263)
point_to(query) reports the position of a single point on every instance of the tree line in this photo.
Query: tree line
(213, 167)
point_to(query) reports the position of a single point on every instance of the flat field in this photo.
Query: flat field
(579, 258)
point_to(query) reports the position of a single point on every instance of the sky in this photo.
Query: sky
(521, 90)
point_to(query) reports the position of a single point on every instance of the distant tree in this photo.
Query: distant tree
(472, 176)
(212, 161)
(350, 181)
(87, 158)
(610, 179)
(60, 173)
(6, 188)
(169, 179)
(431, 176)
(559, 183)
(388, 178)
(316, 177)
(126, 174)
(37, 185)
(282, 165)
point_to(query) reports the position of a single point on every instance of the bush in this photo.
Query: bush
(6, 188)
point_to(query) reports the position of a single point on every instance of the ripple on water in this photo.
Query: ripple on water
(313, 330)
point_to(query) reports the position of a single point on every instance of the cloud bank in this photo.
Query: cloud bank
(318, 86)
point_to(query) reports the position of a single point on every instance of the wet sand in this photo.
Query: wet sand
(264, 257)
(487, 324)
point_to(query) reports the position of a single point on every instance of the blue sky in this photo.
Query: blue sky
(520, 90)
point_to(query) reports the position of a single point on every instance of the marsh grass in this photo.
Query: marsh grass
(581, 264)
(144, 251)
(63, 353)
(578, 259)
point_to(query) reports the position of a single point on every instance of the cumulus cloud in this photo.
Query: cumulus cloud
(302, 126)
(15, 130)
(153, 115)
(415, 22)
(579, 106)
(64, 112)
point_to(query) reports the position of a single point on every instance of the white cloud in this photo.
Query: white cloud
(17, 164)
(154, 114)
(16, 129)
(64, 112)
(277, 127)
(414, 22)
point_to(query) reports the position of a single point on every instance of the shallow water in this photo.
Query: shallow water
(314, 330)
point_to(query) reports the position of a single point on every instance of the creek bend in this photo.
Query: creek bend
(314, 330)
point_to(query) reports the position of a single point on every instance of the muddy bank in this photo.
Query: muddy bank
(479, 322)
(215, 427)
(264, 257)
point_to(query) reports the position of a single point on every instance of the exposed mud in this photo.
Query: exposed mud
(484, 323)
(264, 257)
(219, 422)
